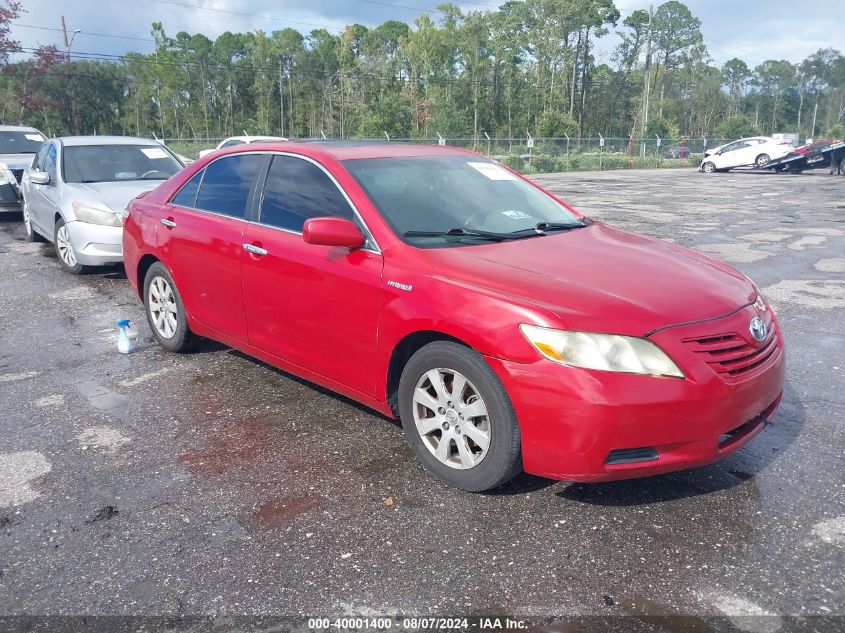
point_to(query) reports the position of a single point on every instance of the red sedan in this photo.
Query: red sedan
(506, 330)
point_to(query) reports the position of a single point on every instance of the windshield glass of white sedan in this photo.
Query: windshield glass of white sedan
(20, 142)
(443, 193)
(115, 163)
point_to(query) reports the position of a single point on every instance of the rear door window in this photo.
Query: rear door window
(228, 183)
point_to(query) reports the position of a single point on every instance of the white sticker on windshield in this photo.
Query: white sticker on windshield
(34, 137)
(492, 171)
(516, 215)
(154, 152)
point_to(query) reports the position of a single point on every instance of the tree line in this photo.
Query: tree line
(527, 68)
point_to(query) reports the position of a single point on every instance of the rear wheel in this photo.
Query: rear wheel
(708, 167)
(842, 167)
(31, 234)
(458, 418)
(762, 160)
(64, 249)
(165, 312)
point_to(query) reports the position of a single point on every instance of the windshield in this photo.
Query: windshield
(20, 142)
(114, 163)
(457, 194)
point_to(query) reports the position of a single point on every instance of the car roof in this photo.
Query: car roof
(350, 150)
(251, 138)
(18, 128)
(105, 140)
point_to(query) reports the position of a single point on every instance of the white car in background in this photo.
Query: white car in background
(18, 144)
(756, 150)
(76, 190)
(241, 140)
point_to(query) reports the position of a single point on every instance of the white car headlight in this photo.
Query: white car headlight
(605, 352)
(93, 215)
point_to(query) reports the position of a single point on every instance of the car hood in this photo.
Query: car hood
(601, 279)
(16, 161)
(114, 195)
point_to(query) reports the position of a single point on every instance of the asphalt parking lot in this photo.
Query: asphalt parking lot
(211, 483)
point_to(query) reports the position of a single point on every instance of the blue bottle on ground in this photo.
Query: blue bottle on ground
(125, 343)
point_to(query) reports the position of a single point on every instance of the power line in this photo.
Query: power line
(118, 37)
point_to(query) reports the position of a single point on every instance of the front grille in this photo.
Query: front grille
(731, 356)
(631, 455)
(18, 174)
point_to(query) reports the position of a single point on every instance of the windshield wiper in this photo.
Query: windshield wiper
(459, 232)
(545, 227)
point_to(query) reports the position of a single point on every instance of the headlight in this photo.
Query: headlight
(92, 215)
(606, 352)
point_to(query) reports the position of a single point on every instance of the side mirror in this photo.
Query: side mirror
(39, 178)
(332, 231)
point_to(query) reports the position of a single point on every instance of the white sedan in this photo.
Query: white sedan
(77, 188)
(241, 140)
(757, 151)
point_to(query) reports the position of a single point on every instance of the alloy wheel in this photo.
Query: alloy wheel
(162, 306)
(64, 246)
(451, 418)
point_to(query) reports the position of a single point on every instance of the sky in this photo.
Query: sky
(753, 30)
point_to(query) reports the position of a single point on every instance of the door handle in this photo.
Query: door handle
(255, 250)
(168, 223)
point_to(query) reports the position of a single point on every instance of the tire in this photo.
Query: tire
(168, 323)
(482, 404)
(762, 160)
(31, 234)
(842, 167)
(64, 249)
(708, 167)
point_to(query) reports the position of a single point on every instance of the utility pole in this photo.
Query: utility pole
(647, 79)
(74, 111)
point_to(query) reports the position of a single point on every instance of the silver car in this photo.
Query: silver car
(76, 190)
(18, 144)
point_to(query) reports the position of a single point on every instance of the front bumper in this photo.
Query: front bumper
(583, 425)
(96, 244)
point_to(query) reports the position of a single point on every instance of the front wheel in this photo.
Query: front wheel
(708, 167)
(64, 249)
(458, 417)
(762, 160)
(165, 311)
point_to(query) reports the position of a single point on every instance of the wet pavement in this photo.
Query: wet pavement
(211, 483)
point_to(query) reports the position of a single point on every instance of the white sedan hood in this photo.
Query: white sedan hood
(114, 195)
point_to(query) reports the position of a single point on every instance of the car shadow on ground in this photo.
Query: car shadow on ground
(738, 467)
(210, 346)
(732, 471)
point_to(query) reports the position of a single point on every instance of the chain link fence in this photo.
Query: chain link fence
(543, 155)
